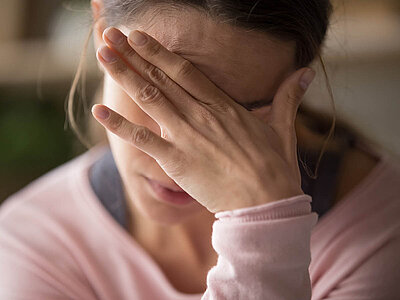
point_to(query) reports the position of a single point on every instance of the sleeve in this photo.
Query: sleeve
(263, 252)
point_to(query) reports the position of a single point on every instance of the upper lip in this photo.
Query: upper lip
(173, 187)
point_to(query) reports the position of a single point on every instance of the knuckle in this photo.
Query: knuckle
(222, 107)
(156, 75)
(140, 135)
(176, 164)
(207, 116)
(229, 110)
(184, 69)
(119, 68)
(154, 50)
(293, 98)
(129, 52)
(234, 114)
(208, 119)
(116, 123)
(149, 94)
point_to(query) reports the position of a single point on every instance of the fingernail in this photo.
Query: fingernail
(107, 54)
(114, 35)
(100, 112)
(307, 78)
(137, 38)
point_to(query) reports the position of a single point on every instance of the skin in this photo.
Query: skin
(222, 54)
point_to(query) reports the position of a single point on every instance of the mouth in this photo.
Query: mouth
(166, 193)
(169, 187)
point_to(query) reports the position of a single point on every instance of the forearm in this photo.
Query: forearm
(264, 251)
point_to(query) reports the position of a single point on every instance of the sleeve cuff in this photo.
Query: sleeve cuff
(285, 208)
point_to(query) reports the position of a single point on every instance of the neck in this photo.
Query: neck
(166, 242)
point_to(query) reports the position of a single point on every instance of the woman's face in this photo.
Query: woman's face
(247, 66)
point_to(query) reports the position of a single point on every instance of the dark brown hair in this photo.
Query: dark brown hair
(303, 21)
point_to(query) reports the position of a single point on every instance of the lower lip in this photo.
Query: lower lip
(167, 195)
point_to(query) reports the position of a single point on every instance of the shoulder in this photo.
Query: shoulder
(52, 190)
(40, 232)
(354, 247)
(376, 277)
(54, 198)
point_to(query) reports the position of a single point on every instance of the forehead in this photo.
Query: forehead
(247, 65)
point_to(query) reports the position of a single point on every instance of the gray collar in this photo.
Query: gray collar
(107, 185)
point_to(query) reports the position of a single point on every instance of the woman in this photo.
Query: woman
(200, 109)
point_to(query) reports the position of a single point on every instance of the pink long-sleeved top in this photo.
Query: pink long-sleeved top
(58, 242)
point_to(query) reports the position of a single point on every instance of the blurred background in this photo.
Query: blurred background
(40, 46)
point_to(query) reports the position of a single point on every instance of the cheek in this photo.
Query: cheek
(131, 162)
(115, 98)
(129, 159)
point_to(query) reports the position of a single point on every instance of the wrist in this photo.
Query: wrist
(261, 198)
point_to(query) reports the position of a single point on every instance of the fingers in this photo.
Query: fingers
(147, 97)
(173, 92)
(139, 136)
(180, 70)
(289, 96)
(284, 109)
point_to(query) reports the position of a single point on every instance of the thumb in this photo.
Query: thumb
(289, 96)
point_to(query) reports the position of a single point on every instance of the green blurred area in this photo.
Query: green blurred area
(33, 139)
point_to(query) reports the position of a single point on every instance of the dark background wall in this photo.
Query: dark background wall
(39, 49)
